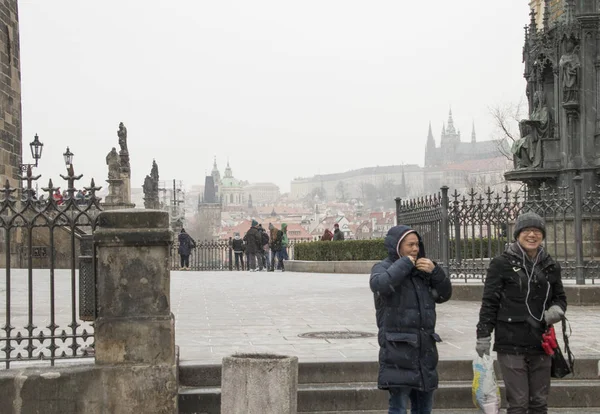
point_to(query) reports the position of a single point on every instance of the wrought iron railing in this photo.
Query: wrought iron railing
(216, 255)
(465, 231)
(39, 254)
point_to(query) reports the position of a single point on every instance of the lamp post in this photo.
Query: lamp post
(36, 153)
(71, 177)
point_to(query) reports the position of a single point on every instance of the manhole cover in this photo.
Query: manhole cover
(337, 335)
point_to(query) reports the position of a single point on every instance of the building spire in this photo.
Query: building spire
(546, 15)
(450, 129)
(473, 134)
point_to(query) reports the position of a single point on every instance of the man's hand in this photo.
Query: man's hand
(425, 265)
(413, 260)
(483, 346)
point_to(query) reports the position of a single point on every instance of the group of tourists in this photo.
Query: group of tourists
(262, 249)
(523, 297)
(337, 234)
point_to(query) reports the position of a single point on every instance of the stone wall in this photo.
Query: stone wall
(10, 94)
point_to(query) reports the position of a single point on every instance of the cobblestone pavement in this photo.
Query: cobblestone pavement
(221, 313)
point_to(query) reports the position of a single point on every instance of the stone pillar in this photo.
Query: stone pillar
(258, 384)
(134, 329)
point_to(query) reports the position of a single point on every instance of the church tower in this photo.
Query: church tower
(430, 153)
(10, 97)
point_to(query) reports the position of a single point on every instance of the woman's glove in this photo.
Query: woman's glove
(483, 346)
(554, 314)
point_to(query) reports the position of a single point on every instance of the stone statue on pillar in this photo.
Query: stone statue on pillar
(527, 150)
(119, 173)
(150, 187)
(114, 165)
(570, 68)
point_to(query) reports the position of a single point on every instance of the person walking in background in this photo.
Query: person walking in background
(523, 295)
(237, 245)
(264, 248)
(186, 244)
(327, 235)
(253, 241)
(282, 253)
(406, 287)
(337, 233)
(274, 244)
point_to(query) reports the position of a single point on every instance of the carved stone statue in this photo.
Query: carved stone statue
(122, 134)
(150, 188)
(154, 171)
(570, 67)
(527, 150)
(114, 164)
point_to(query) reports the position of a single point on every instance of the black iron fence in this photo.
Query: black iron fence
(216, 255)
(39, 253)
(464, 231)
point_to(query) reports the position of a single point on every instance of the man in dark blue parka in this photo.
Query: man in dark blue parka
(406, 286)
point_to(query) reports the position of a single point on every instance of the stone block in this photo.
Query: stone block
(144, 389)
(258, 384)
(149, 340)
(133, 281)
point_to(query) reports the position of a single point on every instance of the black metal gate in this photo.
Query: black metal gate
(40, 240)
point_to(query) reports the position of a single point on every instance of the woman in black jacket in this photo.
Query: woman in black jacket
(406, 287)
(523, 295)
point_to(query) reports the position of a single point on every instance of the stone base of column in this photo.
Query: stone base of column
(258, 384)
(119, 340)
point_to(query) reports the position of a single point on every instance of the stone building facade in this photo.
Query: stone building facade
(10, 96)
(406, 179)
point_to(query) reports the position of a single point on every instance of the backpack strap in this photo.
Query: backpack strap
(570, 357)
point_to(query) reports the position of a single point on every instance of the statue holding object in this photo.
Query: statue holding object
(527, 150)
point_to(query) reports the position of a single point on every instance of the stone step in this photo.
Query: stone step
(194, 375)
(348, 397)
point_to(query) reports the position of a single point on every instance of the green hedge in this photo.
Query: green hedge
(325, 251)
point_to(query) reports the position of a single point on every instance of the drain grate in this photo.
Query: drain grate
(337, 335)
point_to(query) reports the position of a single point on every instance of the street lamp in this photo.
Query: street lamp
(36, 153)
(71, 177)
(68, 155)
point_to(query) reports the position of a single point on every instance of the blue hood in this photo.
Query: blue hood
(394, 235)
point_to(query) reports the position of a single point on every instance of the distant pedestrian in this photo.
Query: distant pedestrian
(237, 245)
(264, 248)
(282, 244)
(327, 235)
(274, 244)
(406, 287)
(58, 198)
(523, 296)
(253, 241)
(80, 197)
(337, 233)
(186, 245)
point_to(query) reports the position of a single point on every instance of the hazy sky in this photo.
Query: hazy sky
(282, 89)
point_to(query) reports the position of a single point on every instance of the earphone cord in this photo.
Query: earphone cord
(529, 277)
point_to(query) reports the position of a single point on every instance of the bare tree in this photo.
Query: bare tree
(506, 118)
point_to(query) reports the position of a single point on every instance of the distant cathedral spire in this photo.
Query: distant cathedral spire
(450, 129)
(473, 134)
(430, 139)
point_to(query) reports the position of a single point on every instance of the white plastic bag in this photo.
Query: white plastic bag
(486, 393)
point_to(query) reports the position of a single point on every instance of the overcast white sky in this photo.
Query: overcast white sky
(283, 89)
